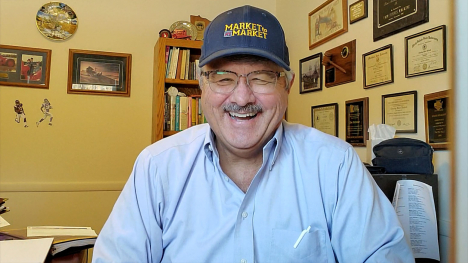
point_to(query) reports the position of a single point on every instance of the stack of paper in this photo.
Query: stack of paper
(14, 251)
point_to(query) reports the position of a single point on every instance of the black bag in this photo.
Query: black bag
(404, 156)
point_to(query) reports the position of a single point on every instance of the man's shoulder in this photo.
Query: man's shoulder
(179, 143)
(311, 137)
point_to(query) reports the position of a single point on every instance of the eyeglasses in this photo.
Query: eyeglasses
(224, 81)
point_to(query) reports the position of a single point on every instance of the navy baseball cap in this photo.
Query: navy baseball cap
(245, 30)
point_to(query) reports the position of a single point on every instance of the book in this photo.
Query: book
(179, 65)
(187, 64)
(182, 62)
(183, 115)
(167, 53)
(168, 63)
(174, 59)
(177, 113)
(194, 110)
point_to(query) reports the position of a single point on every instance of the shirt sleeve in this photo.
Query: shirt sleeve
(132, 233)
(365, 227)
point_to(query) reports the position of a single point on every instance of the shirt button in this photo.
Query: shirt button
(210, 148)
(244, 215)
(243, 260)
(226, 178)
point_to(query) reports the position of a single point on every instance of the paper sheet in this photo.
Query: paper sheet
(41, 231)
(414, 204)
(3, 222)
(13, 251)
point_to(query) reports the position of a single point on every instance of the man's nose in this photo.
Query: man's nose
(242, 94)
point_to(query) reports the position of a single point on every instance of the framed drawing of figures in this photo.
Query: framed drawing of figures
(327, 21)
(393, 16)
(310, 73)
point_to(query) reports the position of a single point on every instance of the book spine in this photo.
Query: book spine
(177, 113)
(168, 64)
(172, 114)
(194, 111)
(183, 115)
(187, 65)
(167, 112)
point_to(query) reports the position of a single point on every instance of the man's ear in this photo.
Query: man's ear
(291, 82)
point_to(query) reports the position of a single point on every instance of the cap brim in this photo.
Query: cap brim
(246, 51)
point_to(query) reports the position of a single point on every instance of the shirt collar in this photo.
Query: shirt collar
(274, 144)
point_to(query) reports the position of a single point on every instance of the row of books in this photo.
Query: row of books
(182, 112)
(179, 65)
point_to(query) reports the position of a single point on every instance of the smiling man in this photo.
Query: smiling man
(249, 187)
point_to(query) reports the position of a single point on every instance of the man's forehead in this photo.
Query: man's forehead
(221, 63)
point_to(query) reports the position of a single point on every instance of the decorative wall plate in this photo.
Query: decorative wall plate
(56, 21)
(187, 26)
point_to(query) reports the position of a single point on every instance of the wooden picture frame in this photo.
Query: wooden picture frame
(99, 73)
(200, 24)
(311, 73)
(399, 110)
(426, 52)
(327, 21)
(357, 121)
(357, 11)
(397, 16)
(25, 66)
(377, 67)
(325, 118)
(436, 115)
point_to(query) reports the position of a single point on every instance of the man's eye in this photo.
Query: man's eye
(259, 81)
(224, 81)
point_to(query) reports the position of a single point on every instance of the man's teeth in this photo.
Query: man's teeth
(241, 115)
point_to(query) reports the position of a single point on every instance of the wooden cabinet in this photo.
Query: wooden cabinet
(161, 83)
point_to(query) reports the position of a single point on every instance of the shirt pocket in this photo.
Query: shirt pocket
(311, 248)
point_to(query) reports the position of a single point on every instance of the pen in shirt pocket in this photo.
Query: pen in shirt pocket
(301, 236)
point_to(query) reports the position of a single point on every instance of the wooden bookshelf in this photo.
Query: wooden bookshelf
(161, 83)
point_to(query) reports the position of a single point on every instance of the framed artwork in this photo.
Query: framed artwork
(99, 73)
(357, 11)
(311, 73)
(200, 23)
(399, 110)
(325, 118)
(391, 17)
(377, 67)
(436, 112)
(357, 121)
(425, 52)
(327, 21)
(24, 66)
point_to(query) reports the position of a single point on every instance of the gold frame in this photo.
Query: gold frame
(322, 15)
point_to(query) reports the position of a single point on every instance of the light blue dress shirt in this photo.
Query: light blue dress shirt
(311, 201)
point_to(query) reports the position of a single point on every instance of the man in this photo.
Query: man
(250, 187)
(20, 113)
(45, 108)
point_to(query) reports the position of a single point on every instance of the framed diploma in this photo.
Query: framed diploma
(357, 11)
(311, 73)
(378, 67)
(393, 16)
(327, 21)
(436, 119)
(399, 110)
(325, 118)
(425, 52)
(357, 121)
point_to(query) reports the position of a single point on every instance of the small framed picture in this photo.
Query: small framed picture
(436, 112)
(357, 11)
(399, 110)
(99, 73)
(357, 121)
(325, 118)
(24, 66)
(327, 21)
(310, 73)
(377, 67)
(425, 52)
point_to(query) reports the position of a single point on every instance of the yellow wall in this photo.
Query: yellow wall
(72, 172)
(294, 18)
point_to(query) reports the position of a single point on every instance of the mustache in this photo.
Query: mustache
(249, 108)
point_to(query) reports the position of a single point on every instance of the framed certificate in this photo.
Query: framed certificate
(399, 110)
(357, 11)
(310, 73)
(391, 17)
(325, 118)
(378, 67)
(357, 121)
(425, 52)
(436, 107)
(327, 21)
